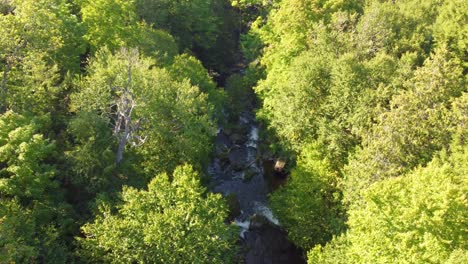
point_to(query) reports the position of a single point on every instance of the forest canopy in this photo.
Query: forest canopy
(368, 99)
(109, 111)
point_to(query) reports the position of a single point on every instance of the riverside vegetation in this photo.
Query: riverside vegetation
(134, 131)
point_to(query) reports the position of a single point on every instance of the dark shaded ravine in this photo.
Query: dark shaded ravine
(237, 173)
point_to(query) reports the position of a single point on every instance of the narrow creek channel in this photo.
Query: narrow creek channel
(237, 173)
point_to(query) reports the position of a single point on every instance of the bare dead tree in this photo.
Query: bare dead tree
(126, 130)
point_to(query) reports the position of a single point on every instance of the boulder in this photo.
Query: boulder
(258, 222)
(238, 139)
(228, 130)
(238, 158)
(240, 128)
(222, 139)
(222, 154)
(270, 245)
(233, 205)
(249, 174)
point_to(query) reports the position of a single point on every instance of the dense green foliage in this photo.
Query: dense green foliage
(108, 113)
(33, 217)
(415, 218)
(95, 97)
(310, 200)
(357, 93)
(206, 27)
(416, 125)
(40, 40)
(175, 116)
(174, 221)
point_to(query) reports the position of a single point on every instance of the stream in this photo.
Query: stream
(237, 172)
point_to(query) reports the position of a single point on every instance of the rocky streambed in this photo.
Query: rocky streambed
(237, 173)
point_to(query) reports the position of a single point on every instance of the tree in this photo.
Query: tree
(34, 233)
(173, 221)
(450, 30)
(174, 116)
(109, 23)
(308, 206)
(91, 158)
(198, 28)
(33, 216)
(125, 127)
(206, 28)
(41, 41)
(291, 23)
(368, 89)
(414, 218)
(17, 227)
(22, 153)
(416, 126)
(304, 85)
(397, 27)
(186, 67)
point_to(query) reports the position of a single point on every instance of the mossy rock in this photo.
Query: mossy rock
(258, 222)
(238, 138)
(241, 129)
(222, 152)
(233, 205)
(249, 174)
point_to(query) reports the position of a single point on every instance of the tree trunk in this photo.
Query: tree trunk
(120, 151)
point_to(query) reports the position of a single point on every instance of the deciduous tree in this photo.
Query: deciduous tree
(174, 221)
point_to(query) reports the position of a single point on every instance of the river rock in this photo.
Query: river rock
(238, 158)
(233, 205)
(228, 130)
(223, 140)
(237, 127)
(238, 139)
(258, 221)
(249, 174)
(270, 245)
(222, 154)
(240, 128)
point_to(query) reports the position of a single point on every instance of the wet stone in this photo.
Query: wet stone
(258, 221)
(242, 129)
(233, 205)
(223, 155)
(237, 173)
(228, 131)
(238, 139)
(250, 173)
(223, 140)
(270, 245)
(238, 158)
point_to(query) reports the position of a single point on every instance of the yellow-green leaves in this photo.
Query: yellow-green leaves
(174, 221)
(378, 88)
(308, 206)
(450, 27)
(22, 152)
(175, 116)
(415, 218)
(32, 219)
(40, 39)
(417, 125)
(109, 23)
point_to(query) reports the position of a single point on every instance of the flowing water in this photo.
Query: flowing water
(236, 172)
